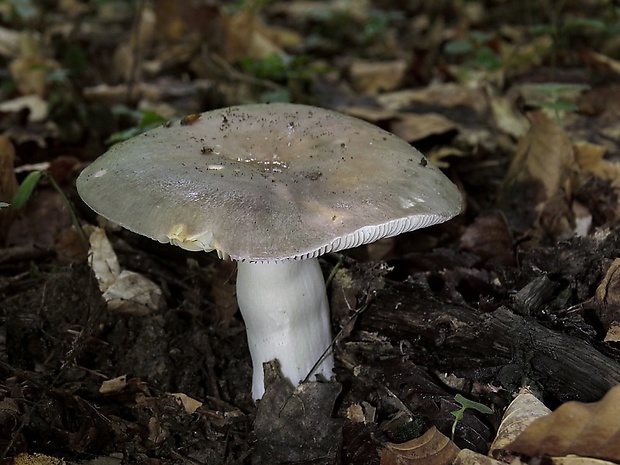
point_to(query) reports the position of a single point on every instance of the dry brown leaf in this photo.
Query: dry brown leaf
(541, 168)
(590, 159)
(490, 238)
(544, 156)
(37, 107)
(505, 114)
(445, 95)
(318, 10)
(469, 457)
(607, 298)
(37, 459)
(113, 385)
(372, 114)
(521, 413)
(8, 186)
(414, 127)
(186, 21)
(602, 61)
(45, 207)
(374, 77)
(29, 70)
(432, 448)
(124, 291)
(439, 155)
(72, 8)
(103, 260)
(134, 294)
(9, 42)
(247, 36)
(525, 56)
(613, 333)
(587, 430)
(575, 460)
(362, 413)
(189, 405)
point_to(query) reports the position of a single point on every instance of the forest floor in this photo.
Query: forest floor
(513, 300)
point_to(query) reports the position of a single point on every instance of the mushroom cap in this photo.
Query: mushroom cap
(268, 182)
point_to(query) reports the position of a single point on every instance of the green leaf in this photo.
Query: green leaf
(458, 47)
(458, 414)
(151, 118)
(472, 404)
(586, 23)
(147, 120)
(25, 190)
(279, 96)
(488, 59)
(560, 105)
(554, 88)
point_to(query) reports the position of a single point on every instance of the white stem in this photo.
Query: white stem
(286, 314)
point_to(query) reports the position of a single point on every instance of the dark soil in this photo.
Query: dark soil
(504, 296)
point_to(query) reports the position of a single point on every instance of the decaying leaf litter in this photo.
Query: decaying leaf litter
(517, 103)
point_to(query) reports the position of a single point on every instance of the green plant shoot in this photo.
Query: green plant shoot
(25, 190)
(465, 404)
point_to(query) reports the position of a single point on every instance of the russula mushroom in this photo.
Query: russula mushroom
(272, 186)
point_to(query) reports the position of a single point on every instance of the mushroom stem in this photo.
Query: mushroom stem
(286, 314)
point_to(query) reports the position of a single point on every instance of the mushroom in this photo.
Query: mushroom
(271, 186)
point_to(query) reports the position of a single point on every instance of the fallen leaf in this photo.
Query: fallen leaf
(506, 115)
(318, 10)
(522, 56)
(601, 61)
(124, 291)
(490, 238)
(45, 207)
(372, 114)
(287, 430)
(133, 294)
(447, 95)
(375, 77)
(584, 429)
(37, 459)
(103, 260)
(247, 36)
(30, 69)
(414, 127)
(542, 166)
(469, 457)
(37, 107)
(190, 405)
(9, 42)
(113, 385)
(613, 332)
(574, 460)
(362, 412)
(607, 298)
(432, 448)
(590, 160)
(439, 155)
(521, 413)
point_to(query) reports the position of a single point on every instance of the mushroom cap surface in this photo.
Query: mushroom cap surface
(268, 182)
